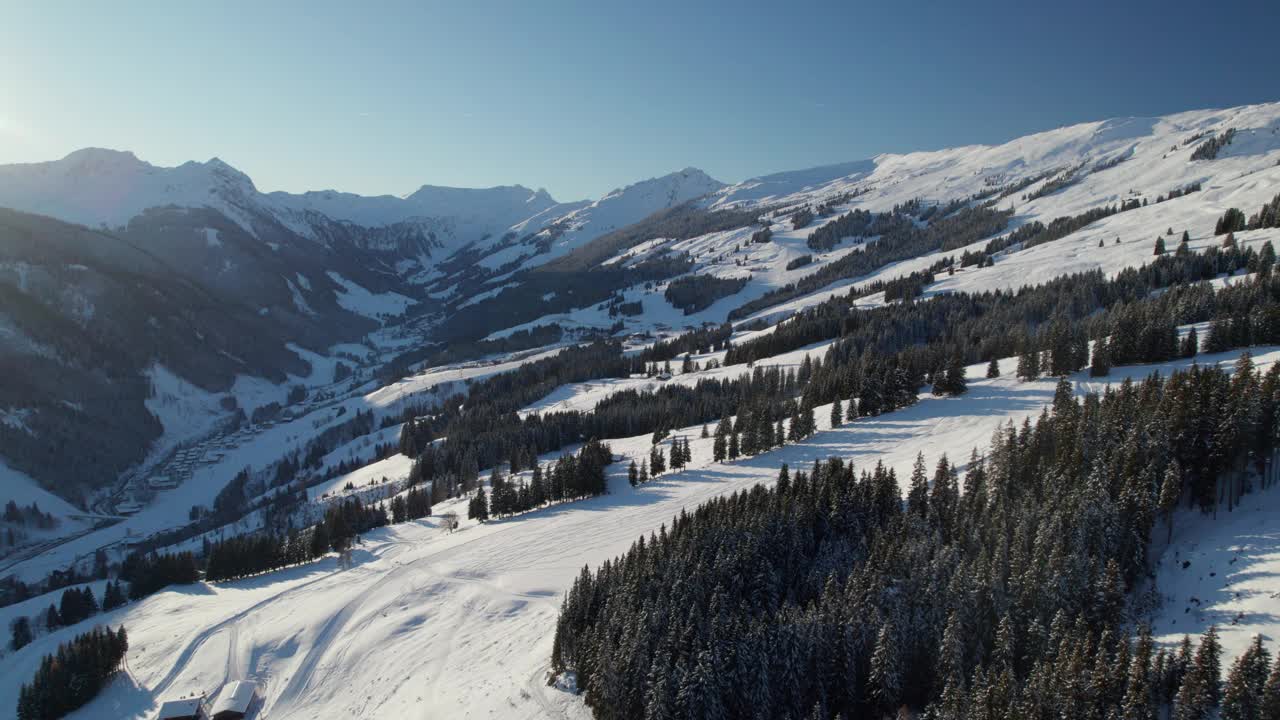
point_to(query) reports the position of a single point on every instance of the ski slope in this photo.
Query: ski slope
(426, 622)
(1116, 160)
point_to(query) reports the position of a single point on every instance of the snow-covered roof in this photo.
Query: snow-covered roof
(234, 697)
(185, 707)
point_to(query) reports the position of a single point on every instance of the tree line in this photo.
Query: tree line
(71, 677)
(695, 293)
(1006, 595)
(899, 237)
(571, 477)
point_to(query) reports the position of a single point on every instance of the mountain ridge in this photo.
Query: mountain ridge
(324, 271)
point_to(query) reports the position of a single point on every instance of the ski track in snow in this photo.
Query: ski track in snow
(427, 623)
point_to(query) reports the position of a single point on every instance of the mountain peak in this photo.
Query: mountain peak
(229, 174)
(97, 159)
(678, 186)
(693, 172)
(497, 190)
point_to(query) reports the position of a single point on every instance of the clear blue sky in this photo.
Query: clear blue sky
(381, 97)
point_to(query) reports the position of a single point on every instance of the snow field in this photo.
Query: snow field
(428, 622)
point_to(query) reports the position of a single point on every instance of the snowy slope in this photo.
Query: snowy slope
(1153, 156)
(1139, 159)
(107, 188)
(187, 412)
(1156, 158)
(24, 491)
(1223, 572)
(493, 208)
(620, 208)
(428, 622)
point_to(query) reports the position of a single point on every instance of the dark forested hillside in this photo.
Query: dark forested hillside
(90, 313)
(828, 596)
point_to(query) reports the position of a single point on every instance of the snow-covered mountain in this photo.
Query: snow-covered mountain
(436, 619)
(1054, 174)
(490, 231)
(618, 209)
(107, 188)
(1110, 158)
(485, 263)
(497, 207)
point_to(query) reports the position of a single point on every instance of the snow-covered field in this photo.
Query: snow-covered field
(428, 622)
(1223, 572)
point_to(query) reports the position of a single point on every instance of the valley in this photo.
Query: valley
(287, 368)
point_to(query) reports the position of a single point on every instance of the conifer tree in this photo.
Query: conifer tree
(633, 474)
(478, 508)
(885, 680)
(1170, 491)
(1100, 364)
(1270, 705)
(1266, 258)
(20, 632)
(1159, 246)
(112, 597)
(417, 504)
(837, 413)
(1201, 688)
(318, 543)
(1190, 345)
(1242, 697)
(1139, 697)
(1029, 364)
(955, 379)
(1220, 336)
(918, 495)
(657, 461)
(993, 368)
(677, 454)
(71, 677)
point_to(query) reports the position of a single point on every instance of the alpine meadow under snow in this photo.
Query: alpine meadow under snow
(478, 452)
